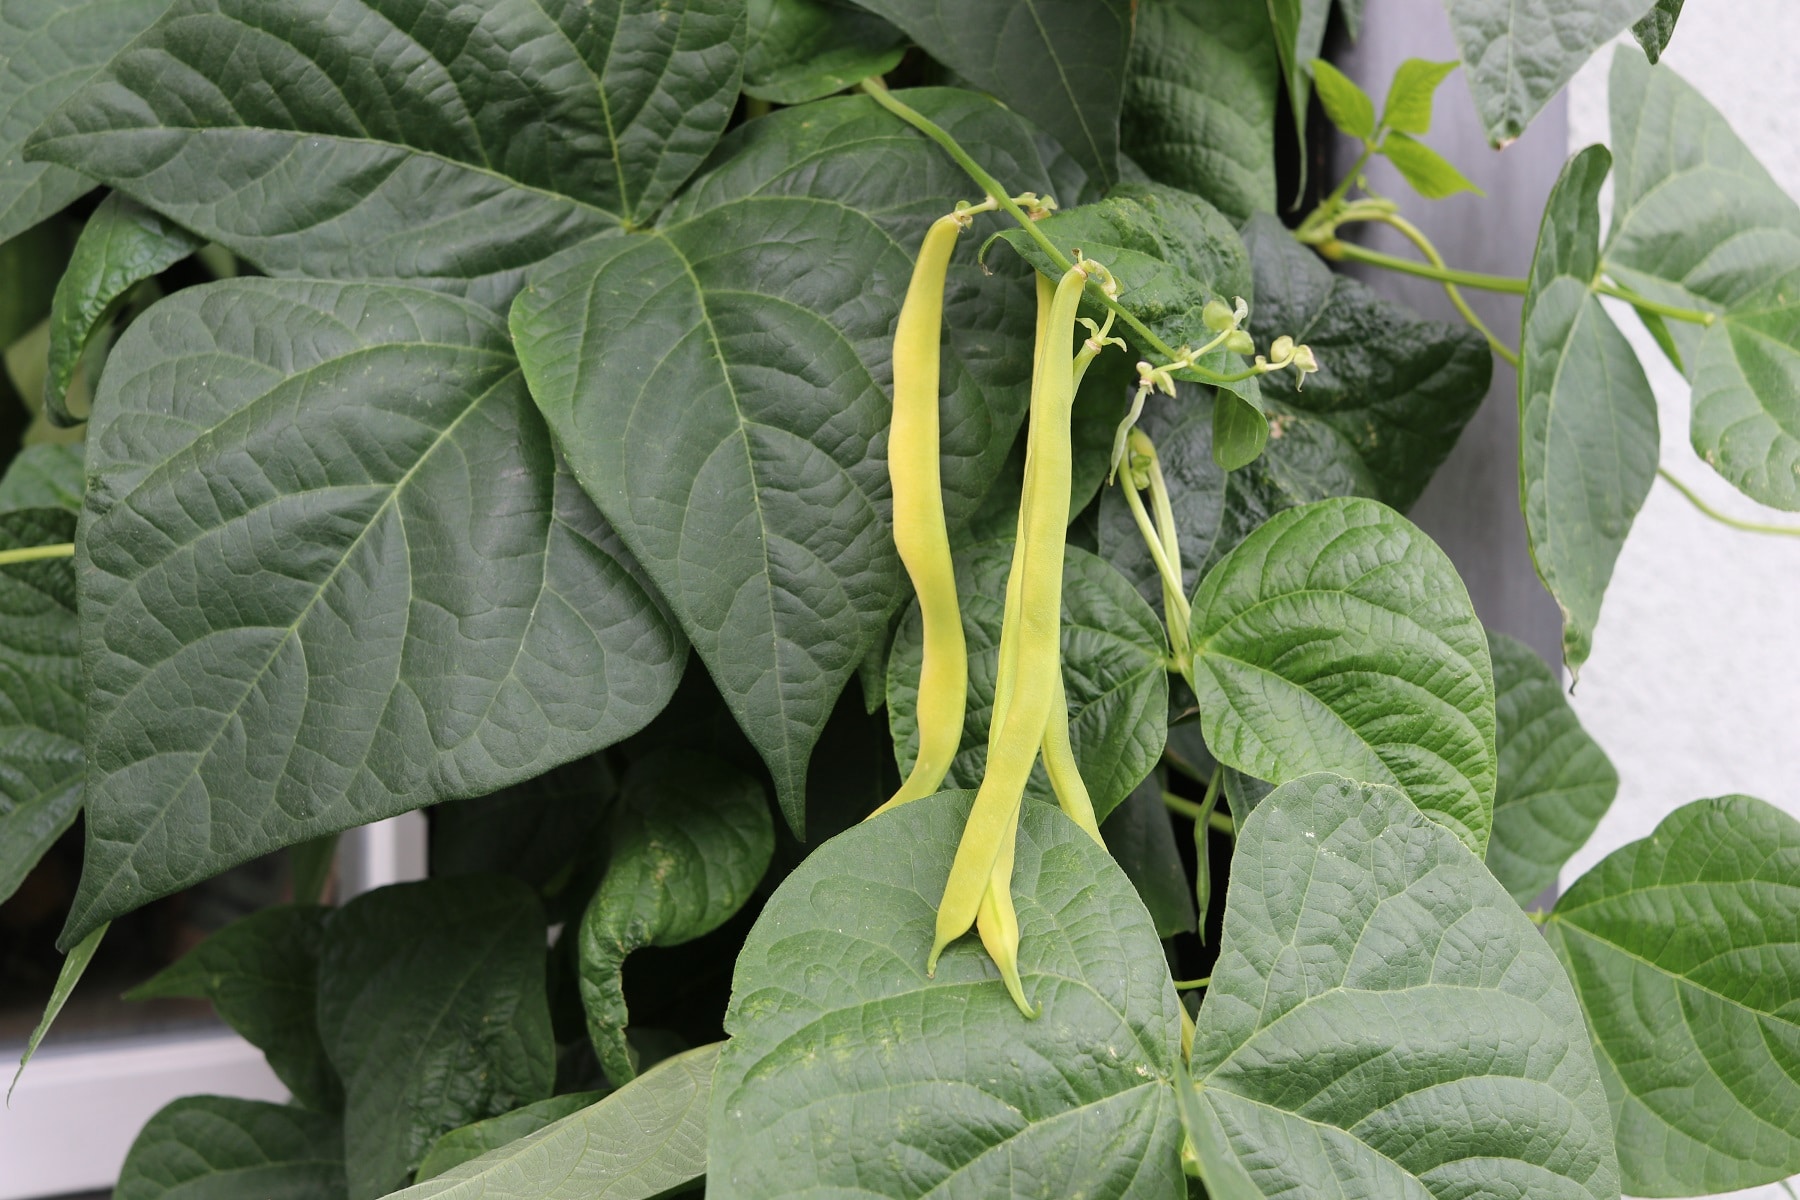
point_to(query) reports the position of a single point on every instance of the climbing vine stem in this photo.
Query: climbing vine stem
(26, 554)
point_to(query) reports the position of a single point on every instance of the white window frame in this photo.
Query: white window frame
(78, 1107)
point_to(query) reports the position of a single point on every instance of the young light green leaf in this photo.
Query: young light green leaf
(1114, 667)
(1240, 431)
(1409, 98)
(1430, 173)
(691, 841)
(261, 974)
(1588, 440)
(569, 120)
(47, 51)
(1555, 783)
(432, 1008)
(1348, 106)
(72, 969)
(1657, 27)
(1468, 1071)
(836, 1032)
(42, 767)
(434, 608)
(1684, 948)
(1699, 223)
(48, 475)
(800, 50)
(1338, 637)
(1299, 36)
(1142, 841)
(1199, 109)
(647, 1140)
(720, 386)
(1519, 53)
(472, 1141)
(121, 245)
(220, 1146)
(1059, 63)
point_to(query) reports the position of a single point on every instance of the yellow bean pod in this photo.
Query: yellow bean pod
(920, 533)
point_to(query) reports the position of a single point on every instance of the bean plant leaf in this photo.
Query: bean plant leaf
(1299, 37)
(121, 245)
(47, 51)
(472, 1141)
(1555, 783)
(433, 1010)
(1338, 637)
(1519, 53)
(1348, 106)
(1114, 664)
(74, 966)
(1059, 63)
(42, 767)
(1199, 108)
(424, 605)
(1411, 94)
(1468, 1072)
(691, 841)
(648, 1139)
(261, 974)
(48, 475)
(218, 1146)
(450, 144)
(720, 384)
(800, 50)
(1588, 440)
(1698, 222)
(1429, 173)
(1684, 948)
(836, 1032)
(1656, 27)
(1142, 841)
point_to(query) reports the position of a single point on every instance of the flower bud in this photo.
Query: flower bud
(1240, 342)
(1282, 349)
(1217, 317)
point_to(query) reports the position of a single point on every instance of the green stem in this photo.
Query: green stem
(1188, 985)
(1693, 498)
(1692, 316)
(1183, 807)
(27, 554)
(1335, 249)
(1417, 237)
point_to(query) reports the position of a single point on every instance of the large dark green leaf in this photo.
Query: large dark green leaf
(1140, 837)
(1685, 951)
(720, 386)
(1061, 63)
(691, 842)
(121, 245)
(1338, 637)
(849, 1070)
(1656, 27)
(261, 974)
(1199, 111)
(1114, 664)
(43, 476)
(648, 1139)
(800, 50)
(41, 706)
(1384, 1022)
(472, 1141)
(448, 143)
(1519, 53)
(1588, 440)
(333, 571)
(1555, 783)
(48, 49)
(216, 1147)
(1698, 221)
(433, 1010)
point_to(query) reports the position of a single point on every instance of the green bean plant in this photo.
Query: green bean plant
(790, 483)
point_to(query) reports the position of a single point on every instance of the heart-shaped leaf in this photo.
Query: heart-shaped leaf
(834, 1077)
(648, 1139)
(47, 51)
(720, 386)
(1519, 53)
(1699, 222)
(1384, 1021)
(691, 841)
(333, 572)
(432, 1008)
(451, 144)
(1338, 637)
(1685, 948)
(223, 1146)
(1588, 440)
(1554, 783)
(1114, 664)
